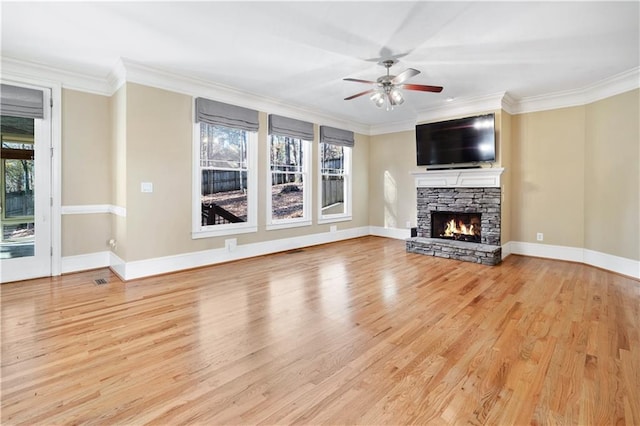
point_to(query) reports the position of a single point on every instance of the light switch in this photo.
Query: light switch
(146, 187)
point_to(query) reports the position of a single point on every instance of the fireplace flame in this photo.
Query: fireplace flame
(457, 229)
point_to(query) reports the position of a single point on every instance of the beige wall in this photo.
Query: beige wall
(86, 170)
(547, 179)
(118, 108)
(505, 152)
(564, 169)
(119, 166)
(576, 176)
(85, 233)
(392, 193)
(612, 176)
(86, 156)
(159, 149)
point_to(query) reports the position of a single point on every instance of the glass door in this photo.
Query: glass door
(25, 194)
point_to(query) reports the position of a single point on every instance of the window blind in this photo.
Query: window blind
(21, 102)
(227, 115)
(290, 127)
(336, 136)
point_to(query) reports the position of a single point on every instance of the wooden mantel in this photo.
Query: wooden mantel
(488, 177)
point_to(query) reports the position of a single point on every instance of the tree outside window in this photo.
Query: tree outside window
(224, 176)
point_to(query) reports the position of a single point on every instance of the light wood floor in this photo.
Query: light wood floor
(352, 332)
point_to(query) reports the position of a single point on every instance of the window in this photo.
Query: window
(335, 174)
(334, 182)
(288, 189)
(225, 180)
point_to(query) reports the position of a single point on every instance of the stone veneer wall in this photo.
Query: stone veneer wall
(462, 200)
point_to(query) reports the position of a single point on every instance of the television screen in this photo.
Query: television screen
(464, 140)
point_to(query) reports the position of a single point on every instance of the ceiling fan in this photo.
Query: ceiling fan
(387, 87)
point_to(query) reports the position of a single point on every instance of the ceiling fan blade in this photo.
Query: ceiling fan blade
(404, 75)
(357, 80)
(421, 87)
(366, 92)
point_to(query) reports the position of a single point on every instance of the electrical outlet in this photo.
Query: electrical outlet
(333, 228)
(231, 244)
(540, 236)
(408, 224)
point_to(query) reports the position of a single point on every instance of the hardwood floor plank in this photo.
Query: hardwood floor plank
(355, 332)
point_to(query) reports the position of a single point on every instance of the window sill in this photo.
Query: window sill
(337, 218)
(285, 225)
(222, 232)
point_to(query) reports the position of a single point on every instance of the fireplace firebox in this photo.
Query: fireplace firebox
(456, 226)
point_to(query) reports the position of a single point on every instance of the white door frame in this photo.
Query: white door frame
(56, 145)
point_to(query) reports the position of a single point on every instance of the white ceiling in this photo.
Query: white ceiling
(298, 52)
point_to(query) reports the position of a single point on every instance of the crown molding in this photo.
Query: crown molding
(509, 103)
(117, 77)
(614, 85)
(129, 71)
(399, 126)
(68, 79)
(557, 100)
(132, 72)
(462, 106)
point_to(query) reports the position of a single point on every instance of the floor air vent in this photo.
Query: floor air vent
(100, 281)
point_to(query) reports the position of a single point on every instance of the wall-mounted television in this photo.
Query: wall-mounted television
(464, 141)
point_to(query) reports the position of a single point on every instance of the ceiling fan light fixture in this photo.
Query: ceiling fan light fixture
(386, 90)
(396, 96)
(378, 99)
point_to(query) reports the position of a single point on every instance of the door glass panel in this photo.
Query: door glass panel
(17, 188)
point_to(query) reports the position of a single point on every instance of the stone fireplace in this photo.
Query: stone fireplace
(459, 215)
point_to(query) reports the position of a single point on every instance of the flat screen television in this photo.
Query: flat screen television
(465, 141)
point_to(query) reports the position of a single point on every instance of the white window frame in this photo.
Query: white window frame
(251, 225)
(346, 215)
(305, 220)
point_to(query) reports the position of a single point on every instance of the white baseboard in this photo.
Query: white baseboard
(397, 233)
(606, 261)
(572, 254)
(85, 262)
(613, 263)
(167, 264)
(506, 249)
(118, 266)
